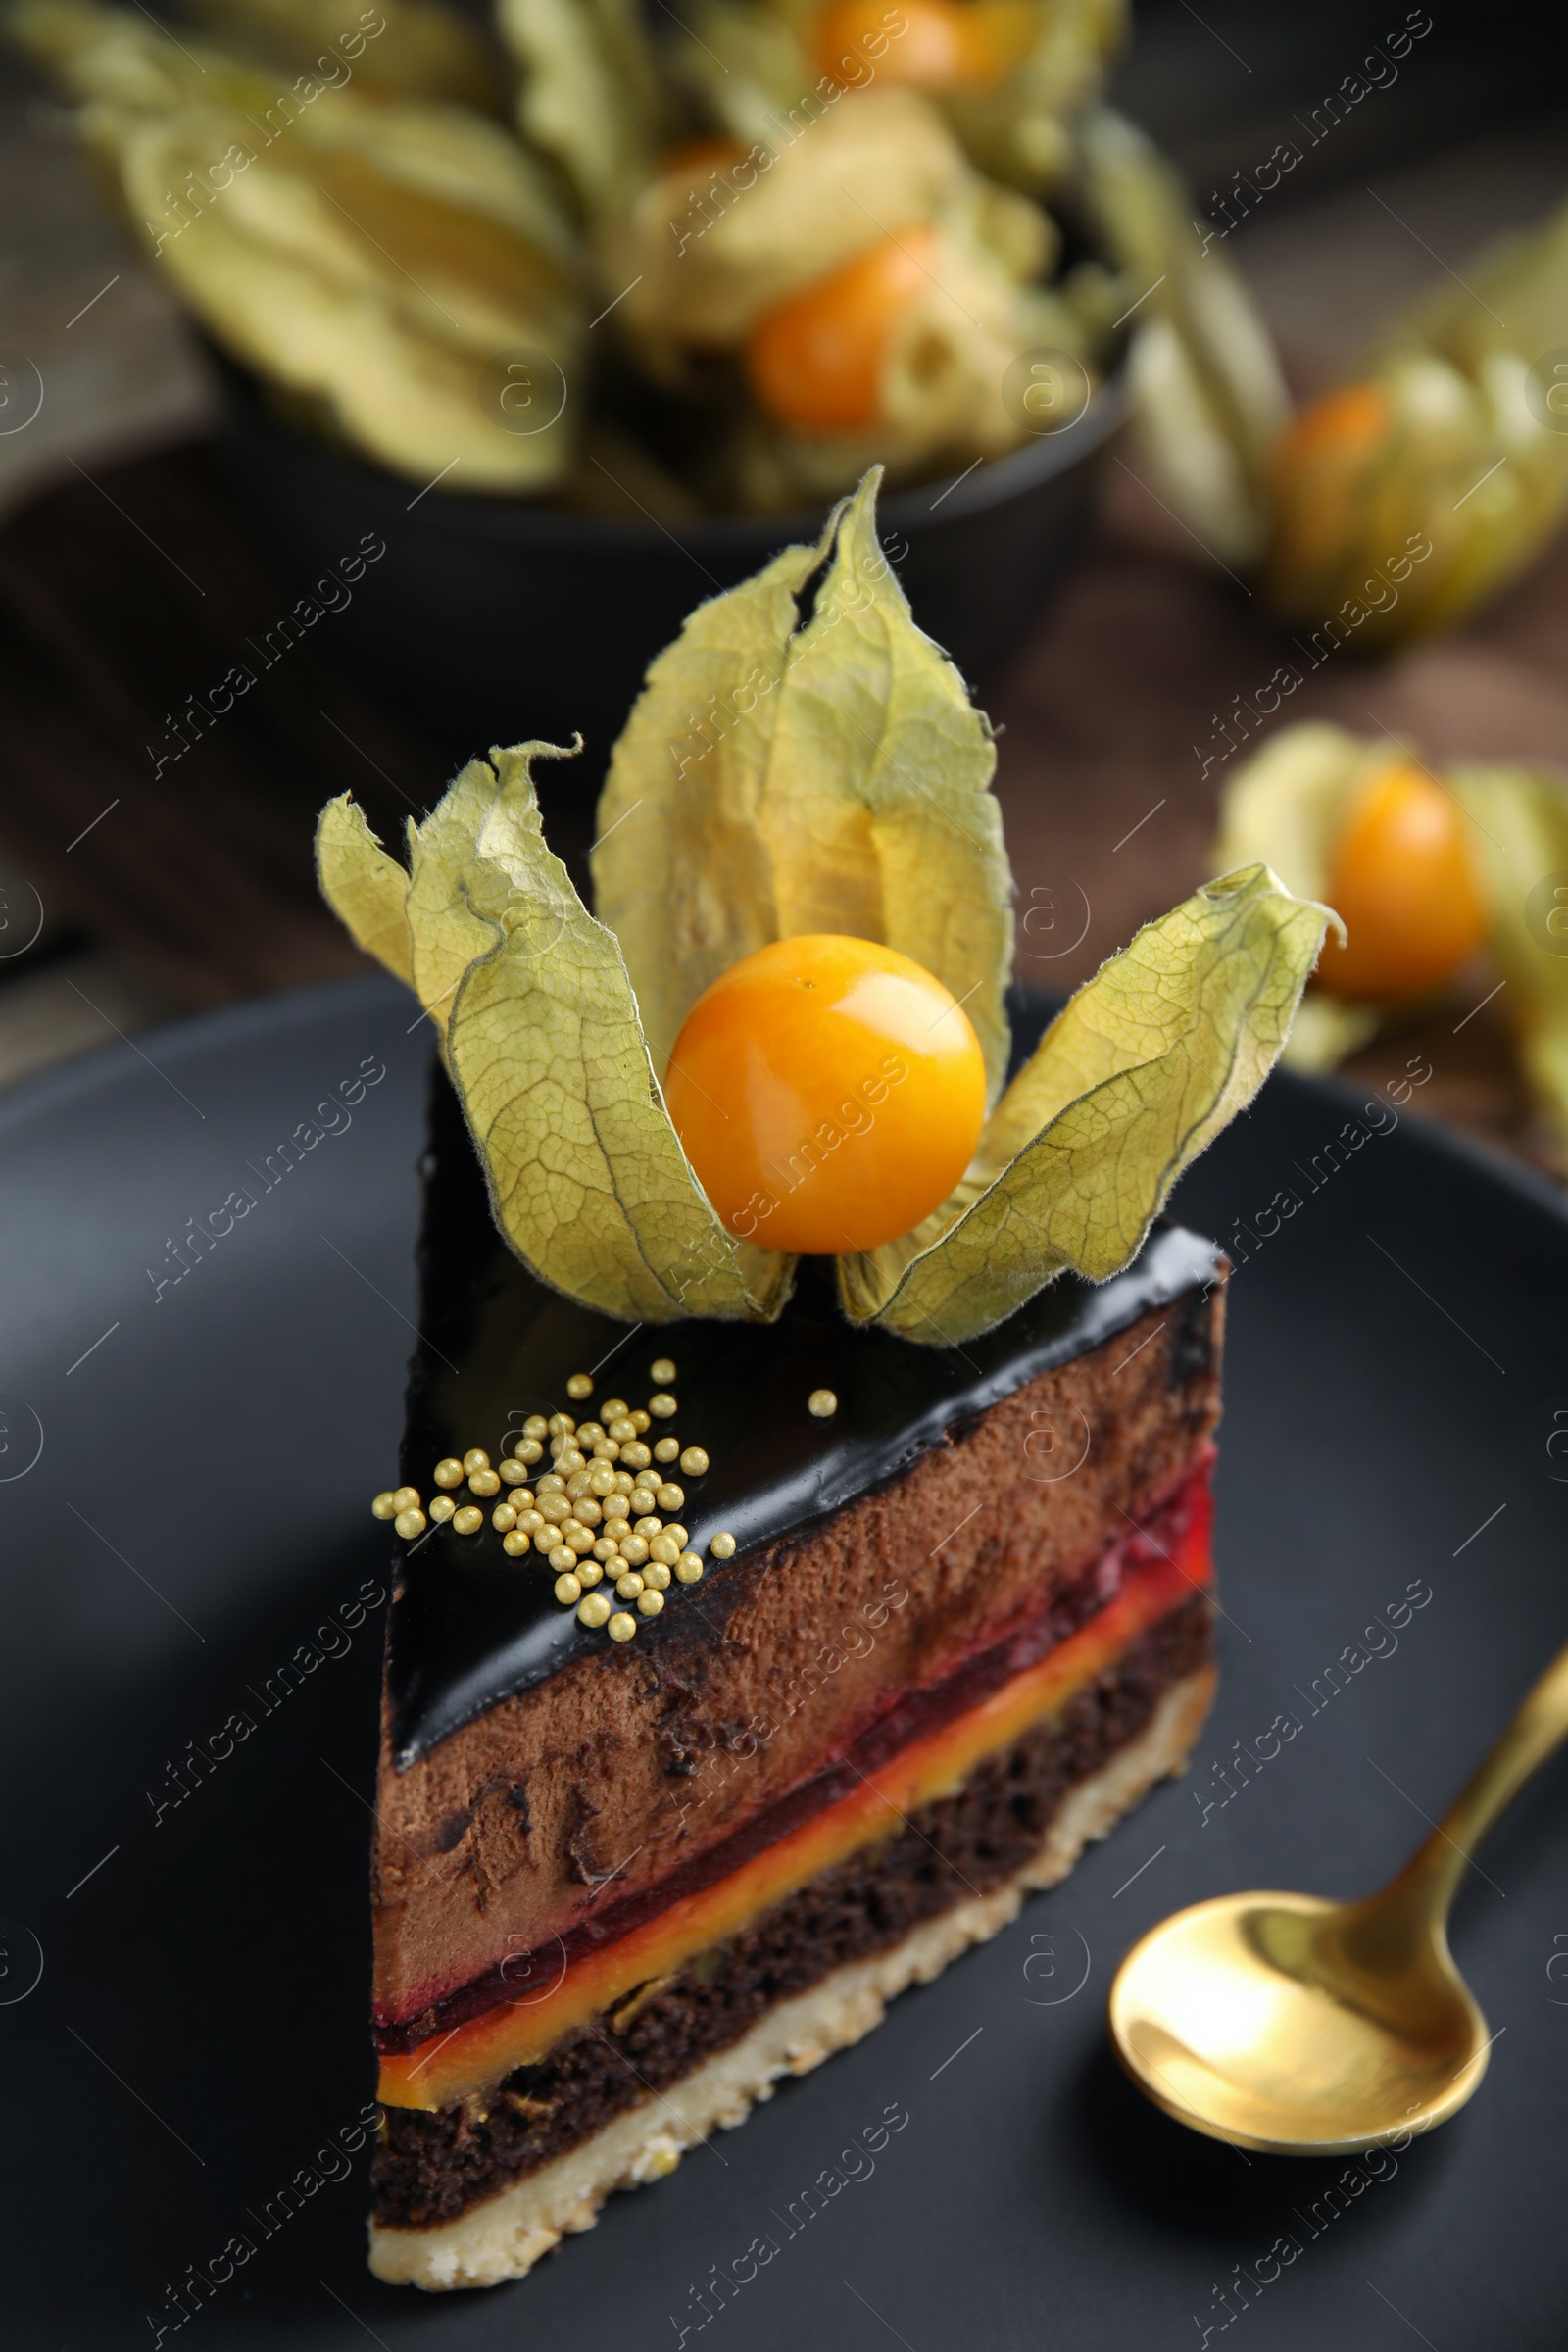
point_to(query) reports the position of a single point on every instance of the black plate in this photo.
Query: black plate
(198, 1512)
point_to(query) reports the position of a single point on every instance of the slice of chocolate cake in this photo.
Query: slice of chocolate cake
(950, 1622)
(805, 1527)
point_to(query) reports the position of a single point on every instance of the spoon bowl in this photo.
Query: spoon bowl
(1306, 2028)
(1231, 2017)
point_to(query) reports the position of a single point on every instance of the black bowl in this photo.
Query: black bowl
(489, 620)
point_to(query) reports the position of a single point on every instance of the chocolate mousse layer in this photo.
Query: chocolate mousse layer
(432, 2167)
(534, 1776)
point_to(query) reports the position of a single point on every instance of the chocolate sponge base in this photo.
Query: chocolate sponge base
(1019, 1821)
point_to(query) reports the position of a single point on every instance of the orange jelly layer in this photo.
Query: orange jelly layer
(480, 2052)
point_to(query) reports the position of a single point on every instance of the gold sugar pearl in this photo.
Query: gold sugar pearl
(580, 1385)
(662, 1370)
(622, 1626)
(588, 1434)
(405, 1499)
(504, 1518)
(528, 1450)
(442, 1507)
(623, 1429)
(606, 1450)
(668, 1449)
(636, 1455)
(629, 1584)
(554, 1507)
(601, 1480)
(536, 1426)
(579, 1539)
(529, 1522)
(617, 1526)
(589, 1571)
(474, 1459)
(514, 1544)
(409, 1524)
(689, 1568)
(722, 1547)
(484, 1482)
(594, 1610)
(656, 1574)
(468, 1521)
(569, 1592)
(605, 1547)
(578, 1484)
(650, 1602)
(552, 1483)
(663, 1406)
(624, 1482)
(663, 1550)
(448, 1472)
(634, 1550)
(571, 1459)
(385, 1505)
(563, 1559)
(638, 1419)
(544, 1539)
(560, 1425)
(611, 1409)
(649, 1526)
(514, 1473)
(675, 1528)
(694, 1462)
(670, 1497)
(822, 1404)
(589, 1511)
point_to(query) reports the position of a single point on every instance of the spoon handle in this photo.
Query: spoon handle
(1537, 1728)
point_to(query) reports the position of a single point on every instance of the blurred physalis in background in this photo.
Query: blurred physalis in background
(808, 236)
(1458, 431)
(378, 259)
(744, 251)
(1436, 875)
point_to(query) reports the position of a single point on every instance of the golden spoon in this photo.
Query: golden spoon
(1302, 2027)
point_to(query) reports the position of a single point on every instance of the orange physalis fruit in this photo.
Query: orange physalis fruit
(923, 44)
(828, 1091)
(816, 359)
(1347, 423)
(1404, 884)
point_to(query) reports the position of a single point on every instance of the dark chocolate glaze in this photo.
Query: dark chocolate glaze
(469, 1625)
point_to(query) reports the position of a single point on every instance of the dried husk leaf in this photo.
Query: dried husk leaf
(419, 51)
(1208, 396)
(1521, 820)
(539, 1032)
(590, 99)
(365, 888)
(587, 1178)
(775, 779)
(344, 280)
(1148, 1060)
